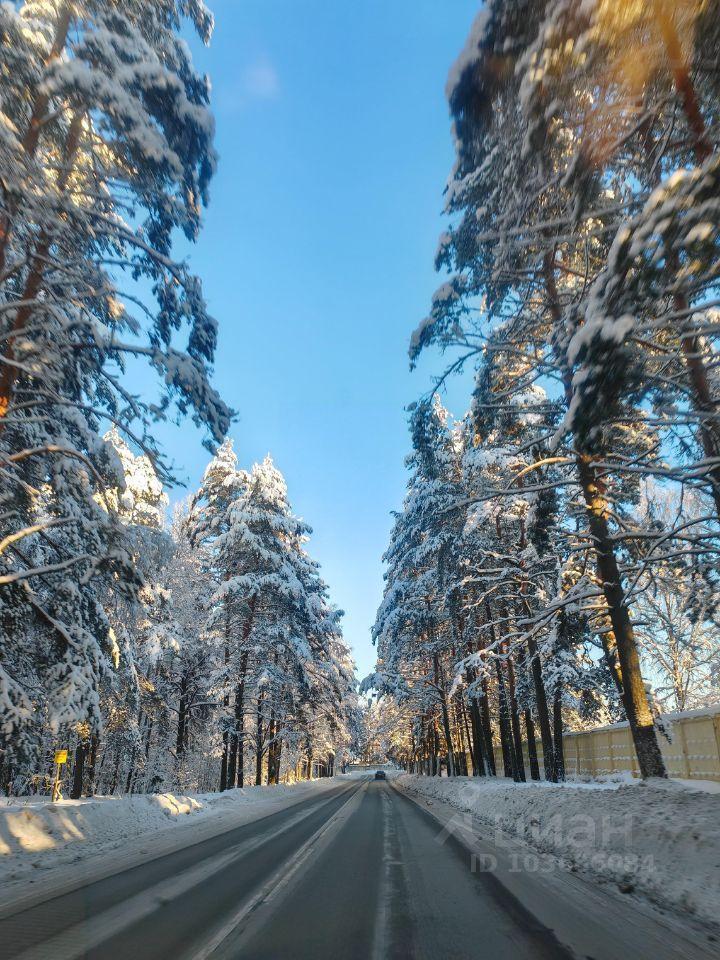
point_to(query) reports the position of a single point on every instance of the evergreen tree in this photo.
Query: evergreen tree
(527, 243)
(106, 150)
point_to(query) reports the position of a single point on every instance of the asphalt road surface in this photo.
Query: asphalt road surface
(360, 872)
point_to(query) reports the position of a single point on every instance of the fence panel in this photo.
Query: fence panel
(693, 753)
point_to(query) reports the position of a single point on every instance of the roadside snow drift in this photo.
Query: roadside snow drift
(657, 838)
(37, 836)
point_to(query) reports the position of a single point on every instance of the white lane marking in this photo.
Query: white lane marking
(277, 882)
(382, 917)
(76, 940)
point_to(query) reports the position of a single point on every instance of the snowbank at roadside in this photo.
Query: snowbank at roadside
(37, 836)
(658, 838)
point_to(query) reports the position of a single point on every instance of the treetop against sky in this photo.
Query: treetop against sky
(317, 256)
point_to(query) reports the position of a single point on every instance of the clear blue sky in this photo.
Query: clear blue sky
(317, 255)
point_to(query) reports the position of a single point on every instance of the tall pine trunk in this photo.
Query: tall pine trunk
(232, 759)
(487, 728)
(558, 732)
(532, 746)
(76, 790)
(477, 735)
(37, 119)
(238, 753)
(278, 757)
(271, 733)
(226, 703)
(477, 738)
(463, 736)
(92, 764)
(36, 274)
(506, 739)
(541, 705)
(131, 771)
(440, 685)
(435, 741)
(241, 743)
(115, 779)
(259, 742)
(515, 719)
(510, 765)
(634, 696)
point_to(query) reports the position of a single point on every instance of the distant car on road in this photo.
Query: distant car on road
(380, 775)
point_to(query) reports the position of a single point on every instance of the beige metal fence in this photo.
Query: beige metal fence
(693, 754)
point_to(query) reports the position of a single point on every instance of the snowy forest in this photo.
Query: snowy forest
(360, 479)
(555, 564)
(197, 651)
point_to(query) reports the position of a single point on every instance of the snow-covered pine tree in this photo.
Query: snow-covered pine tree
(636, 87)
(208, 524)
(510, 416)
(180, 653)
(281, 598)
(524, 247)
(127, 692)
(285, 677)
(414, 630)
(106, 150)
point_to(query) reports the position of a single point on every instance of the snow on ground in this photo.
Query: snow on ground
(660, 839)
(44, 841)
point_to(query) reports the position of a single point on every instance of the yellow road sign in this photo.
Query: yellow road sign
(61, 756)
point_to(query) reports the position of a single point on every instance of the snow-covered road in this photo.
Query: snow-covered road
(358, 871)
